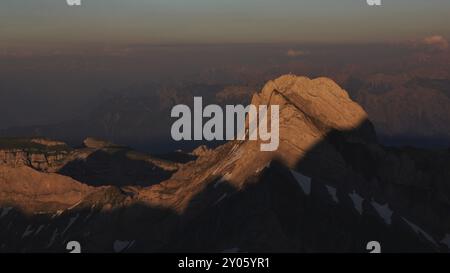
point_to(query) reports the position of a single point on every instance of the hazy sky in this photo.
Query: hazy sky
(33, 22)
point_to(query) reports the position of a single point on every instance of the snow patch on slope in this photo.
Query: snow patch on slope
(420, 231)
(303, 181)
(446, 240)
(333, 192)
(27, 231)
(5, 211)
(120, 246)
(357, 201)
(71, 221)
(384, 211)
(220, 199)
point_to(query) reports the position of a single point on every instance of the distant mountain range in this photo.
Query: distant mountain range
(406, 110)
(330, 187)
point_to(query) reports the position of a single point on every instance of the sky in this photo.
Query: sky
(47, 22)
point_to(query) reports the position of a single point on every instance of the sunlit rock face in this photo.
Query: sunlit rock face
(34, 192)
(309, 111)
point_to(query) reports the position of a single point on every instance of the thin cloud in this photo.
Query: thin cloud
(436, 42)
(296, 53)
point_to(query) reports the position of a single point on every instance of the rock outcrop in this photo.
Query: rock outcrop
(33, 191)
(96, 143)
(201, 151)
(48, 162)
(39, 153)
(48, 142)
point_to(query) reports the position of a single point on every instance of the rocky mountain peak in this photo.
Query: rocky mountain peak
(320, 99)
(311, 110)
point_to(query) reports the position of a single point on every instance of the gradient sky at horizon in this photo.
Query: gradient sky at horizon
(40, 22)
